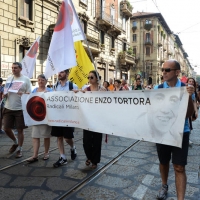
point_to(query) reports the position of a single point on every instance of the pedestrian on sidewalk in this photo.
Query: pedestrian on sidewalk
(171, 70)
(64, 133)
(43, 130)
(12, 113)
(92, 140)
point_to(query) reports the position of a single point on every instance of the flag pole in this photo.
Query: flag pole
(92, 59)
(86, 42)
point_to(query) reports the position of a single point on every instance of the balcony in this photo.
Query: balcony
(134, 28)
(148, 42)
(83, 4)
(160, 43)
(148, 27)
(126, 8)
(126, 58)
(164, 47)
(94, 44)
(169, 52)
(109, 24)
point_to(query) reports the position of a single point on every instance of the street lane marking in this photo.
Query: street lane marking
(141, 190)
(148, 179)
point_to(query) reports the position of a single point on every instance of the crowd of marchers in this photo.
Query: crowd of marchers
(13, 120)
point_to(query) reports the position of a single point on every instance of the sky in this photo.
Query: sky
(183, 18)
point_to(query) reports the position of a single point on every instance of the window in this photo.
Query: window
(112, 12)
(84, 26)
(112, 42)
(134, 37)
(94, 8)
(26, 9)
(124, 46)
(22, 52)
(102, 5)
(134, 50)
(102, 35)
(124, 23)
(148, 51)
(148, 37)
(25, 14)
(148, 21)
(134, 24)
(151, 66)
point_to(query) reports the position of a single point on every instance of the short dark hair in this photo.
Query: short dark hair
(42, 76)
(18, 64)
(161, 78)
(118, 81)
(66, 71)
(1, 80)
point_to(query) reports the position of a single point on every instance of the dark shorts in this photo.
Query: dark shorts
(179, 155)
(13, 119)
(66, 132)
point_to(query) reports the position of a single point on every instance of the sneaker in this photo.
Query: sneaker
(13, 148)
(190, 142)
(60, 162)
(73, 153)
(18, 154)
(163, 192)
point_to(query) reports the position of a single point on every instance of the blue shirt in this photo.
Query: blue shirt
(178, 84)
(48, 89)
(65, 87)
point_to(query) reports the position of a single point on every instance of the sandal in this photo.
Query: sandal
(46, 156)
(32, 160)
(87, 162)
(94, 166)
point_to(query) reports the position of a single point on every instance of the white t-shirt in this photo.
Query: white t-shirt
(19, 84)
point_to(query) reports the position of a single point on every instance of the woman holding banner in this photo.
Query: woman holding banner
(92, 140)
(43, 130)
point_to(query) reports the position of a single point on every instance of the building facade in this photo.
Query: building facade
(106, 24)
(21, 22)
(153, 43)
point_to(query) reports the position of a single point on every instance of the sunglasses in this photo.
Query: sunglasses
(167, 69)
(90, 77)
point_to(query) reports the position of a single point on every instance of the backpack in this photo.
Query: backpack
(70, 85)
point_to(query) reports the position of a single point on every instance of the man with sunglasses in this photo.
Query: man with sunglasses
(66, 133)
(171, 71)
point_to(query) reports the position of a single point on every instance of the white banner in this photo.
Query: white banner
(151, 115)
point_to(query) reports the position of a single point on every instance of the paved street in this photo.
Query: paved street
(134, 176)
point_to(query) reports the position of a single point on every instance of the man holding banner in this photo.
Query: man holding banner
(171, 70)
(15, 86)
(64, 132)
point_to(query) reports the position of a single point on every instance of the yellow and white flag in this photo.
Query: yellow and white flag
(79, 74)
